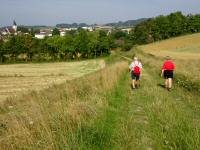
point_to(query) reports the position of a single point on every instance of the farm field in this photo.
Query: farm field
(20, 78)
(184, 51)
(101, 111)
(184, 47)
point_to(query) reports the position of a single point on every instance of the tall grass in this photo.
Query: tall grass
(186, 75)
(51, 119)
(161, 119)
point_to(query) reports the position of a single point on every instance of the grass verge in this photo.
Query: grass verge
(56, 117)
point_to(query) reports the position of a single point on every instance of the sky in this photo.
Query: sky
(52, 12)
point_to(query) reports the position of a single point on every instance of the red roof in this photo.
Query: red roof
(10, 30)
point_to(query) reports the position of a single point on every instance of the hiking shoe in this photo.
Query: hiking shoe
(169, 89)
(131, 86)
(137, 87)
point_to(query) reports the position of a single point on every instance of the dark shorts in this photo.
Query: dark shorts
(135, 76)
(168, 74)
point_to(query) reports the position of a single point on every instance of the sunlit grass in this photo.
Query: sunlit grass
(53, 118)
(21, 78)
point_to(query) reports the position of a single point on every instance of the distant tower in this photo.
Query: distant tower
(14, 26)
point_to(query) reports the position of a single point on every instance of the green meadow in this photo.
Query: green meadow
(100, 110)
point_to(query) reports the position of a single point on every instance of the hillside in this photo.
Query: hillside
(184, 50)
(128, 23)
(73, 25)
(100, 110)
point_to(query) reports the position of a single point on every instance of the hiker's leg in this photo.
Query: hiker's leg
(170, 83)
(133, 84)
(138, 83)
(166, 83)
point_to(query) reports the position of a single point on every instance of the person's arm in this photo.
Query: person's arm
(130, 67)
(140, 65)
(162, 72)
(163, 69)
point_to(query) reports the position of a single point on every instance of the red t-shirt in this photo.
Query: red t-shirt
(168, 65)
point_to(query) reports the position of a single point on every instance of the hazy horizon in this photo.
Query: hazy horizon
(52, 12)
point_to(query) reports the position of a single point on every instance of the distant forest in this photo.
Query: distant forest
(73, 25)
(164, 27)
(81, 44)
(129, 23)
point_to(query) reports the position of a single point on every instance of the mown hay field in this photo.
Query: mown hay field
(184, 51)
(21, 78)
(55, 117)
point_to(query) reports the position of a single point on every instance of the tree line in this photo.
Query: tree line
(75, 45)
(81, 44)
(164, 27)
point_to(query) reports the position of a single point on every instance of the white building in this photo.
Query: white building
(62, 33)
(102, 27)
(9, 31)
(14, 26)
(43, 33)
(70, 29)
(88, 28)
(128, 30)
(40, 35)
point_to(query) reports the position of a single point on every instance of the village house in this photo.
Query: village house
(108, 29)
(40, 35)
(70, 29)
(62, 32)
(9, 30)
(127, 30)
(88, 28)
(6, 32)
(44, 33)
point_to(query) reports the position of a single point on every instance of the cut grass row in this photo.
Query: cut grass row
(22, 78)
(56, 117)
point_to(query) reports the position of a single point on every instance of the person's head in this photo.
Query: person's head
(167, 58)
(135, 58)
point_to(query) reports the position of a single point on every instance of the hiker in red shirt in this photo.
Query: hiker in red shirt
(167, 70)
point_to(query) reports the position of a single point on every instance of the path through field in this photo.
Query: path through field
(21, 78)
(156, 119)
(149, 118)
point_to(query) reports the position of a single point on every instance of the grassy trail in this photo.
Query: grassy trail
(101, 134)
(148, 118)
(157, 119)
(115, 117)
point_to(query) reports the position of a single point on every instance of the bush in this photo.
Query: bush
(127, 46)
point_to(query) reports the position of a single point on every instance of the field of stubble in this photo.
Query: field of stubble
(20, 78)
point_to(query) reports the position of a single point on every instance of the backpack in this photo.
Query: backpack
(136, 70)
